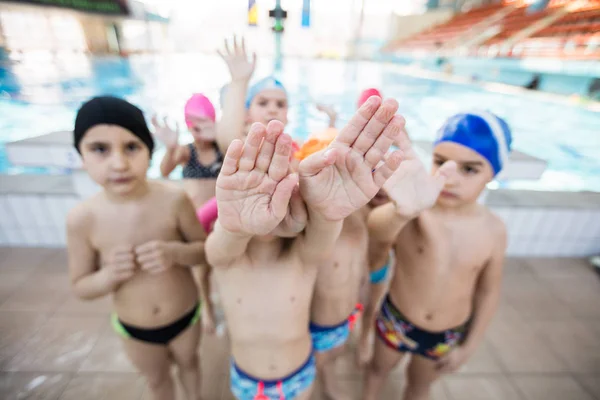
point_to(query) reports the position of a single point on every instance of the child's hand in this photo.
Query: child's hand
(237, 60)
(341, 179)
(154, 257)
(254, 187)
(452, 361)
(165, 134)
(295, 220)
(120, 265)
(412, 188)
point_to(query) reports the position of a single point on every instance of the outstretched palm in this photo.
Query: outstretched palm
(411, 187)
(237, 60)
(343, 178)
(254, 187)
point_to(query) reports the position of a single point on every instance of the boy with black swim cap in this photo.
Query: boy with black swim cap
(137, 239)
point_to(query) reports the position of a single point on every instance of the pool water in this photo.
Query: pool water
(42, 93)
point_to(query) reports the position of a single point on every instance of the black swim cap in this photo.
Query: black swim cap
(112, 111)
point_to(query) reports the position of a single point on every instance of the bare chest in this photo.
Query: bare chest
(127, 225)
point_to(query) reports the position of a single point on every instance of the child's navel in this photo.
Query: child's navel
(293, 299)
(155, 310)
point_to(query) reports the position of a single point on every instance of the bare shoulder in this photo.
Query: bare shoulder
(496, 227)
(168, 191)
(80, 217)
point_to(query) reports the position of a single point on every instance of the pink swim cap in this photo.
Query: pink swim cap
(207, 214)
(364, 96)
(198, 106)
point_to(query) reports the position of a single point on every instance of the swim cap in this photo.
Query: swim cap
(482, 132)
(315, 143)
(207, 214)
(365, 94)
(264, 84)
(111, 111)
(198, 106)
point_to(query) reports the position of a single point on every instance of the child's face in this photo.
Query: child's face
(115, 158)
(471, 176)
(267, 106)
(203, 129)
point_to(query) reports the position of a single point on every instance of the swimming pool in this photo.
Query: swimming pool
(41, 94)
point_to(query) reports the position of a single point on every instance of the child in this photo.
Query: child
(136, 240)
(449, 254)
(336, 305)
(267, 281)
(201, 161)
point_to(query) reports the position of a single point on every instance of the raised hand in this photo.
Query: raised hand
(236, 58)
(411, 187)
(341, 179)
(165, 133)
(295, 220)
(254, 187)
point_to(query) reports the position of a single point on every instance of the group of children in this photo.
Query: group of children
(292, 234)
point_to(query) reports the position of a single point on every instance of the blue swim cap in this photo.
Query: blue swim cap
(264, 84)
(482, 132)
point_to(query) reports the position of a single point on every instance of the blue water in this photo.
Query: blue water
(38, 96)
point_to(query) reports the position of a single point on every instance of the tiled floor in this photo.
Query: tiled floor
(544, 343)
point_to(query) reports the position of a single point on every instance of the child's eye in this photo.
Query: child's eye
(281, 104)
(470, 170)
(438, 162)
(262, 103)
(99, 148)
(131, 147)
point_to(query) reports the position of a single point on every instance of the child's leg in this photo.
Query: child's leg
(153, 362)
(184, 349)
(420, 374)
(326, 373)
(203, 274)
(364, 350)
(384, 361)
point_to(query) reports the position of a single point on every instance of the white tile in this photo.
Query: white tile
(584, 218)
(56, 214)
(8, 219)
(533, 220)
(3, 237)
(20, 211)
(15, 237)
(46, 236)
(38, 211)
(60, 237)
(31, 236)
(592, 247)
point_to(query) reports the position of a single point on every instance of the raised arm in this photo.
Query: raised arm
(253, 192)
(88, 280)
(346, 175)
(170, 138)
(231, 125)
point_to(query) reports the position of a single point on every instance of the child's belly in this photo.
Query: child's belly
(200, 190)
(336, 292)
(430, 300)
(154, 300)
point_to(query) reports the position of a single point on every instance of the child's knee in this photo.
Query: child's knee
(189, 362)
(158, 378)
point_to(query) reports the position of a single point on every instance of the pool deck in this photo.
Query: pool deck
(543, 344)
